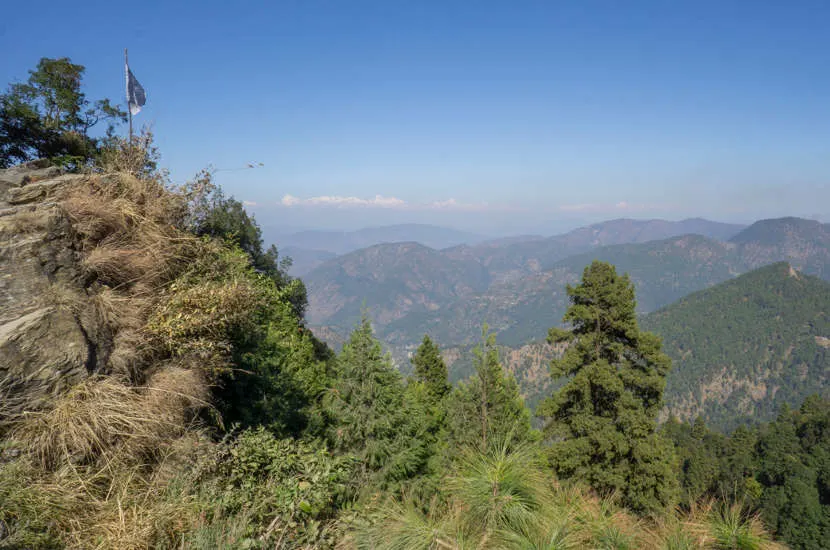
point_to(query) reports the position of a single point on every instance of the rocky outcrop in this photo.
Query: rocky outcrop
(44, 322)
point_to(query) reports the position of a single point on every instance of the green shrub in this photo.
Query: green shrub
(269, 491)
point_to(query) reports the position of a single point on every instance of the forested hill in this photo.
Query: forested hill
(803, 243)
(745, 347)
(519, 288)
(739, 349)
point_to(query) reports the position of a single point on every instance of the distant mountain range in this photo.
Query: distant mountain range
(746, 332)
(309, 249)
(519, 287)
(515, 285)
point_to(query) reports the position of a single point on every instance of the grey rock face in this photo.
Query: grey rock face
(45, 320)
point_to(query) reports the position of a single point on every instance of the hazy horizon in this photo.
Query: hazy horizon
(544, 229)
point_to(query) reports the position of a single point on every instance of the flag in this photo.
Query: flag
(135, 93)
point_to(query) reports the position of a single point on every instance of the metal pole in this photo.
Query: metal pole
(129, 112)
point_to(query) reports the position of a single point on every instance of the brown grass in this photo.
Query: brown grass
(132, 250)
(99, 459)
(127, 229)
(97, 465)
(103, 419)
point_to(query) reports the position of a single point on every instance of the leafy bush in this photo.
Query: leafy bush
(273, 492)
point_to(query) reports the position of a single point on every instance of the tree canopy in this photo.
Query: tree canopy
(49, 116)
(603, 422)
(430, 369)
(369, 416)
(487, 408)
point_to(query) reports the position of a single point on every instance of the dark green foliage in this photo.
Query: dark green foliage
(603, 421)
(487, 408)
(371, 417)
(279, 375)
(262, 492)
(762, 330)
(429, 368)
(780, 468)
(215, 215)
(50, 117)
(704, 470)
(426, 397)
(279, 370)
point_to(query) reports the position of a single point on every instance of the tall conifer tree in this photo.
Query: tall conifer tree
(603, 421)
(430, 369)
(370, 419)
(487, 408)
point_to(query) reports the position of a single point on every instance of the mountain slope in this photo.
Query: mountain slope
(303, 260)
(392, 280)
(740, 349)
(626, 230)
(523, 309)
(519, 289)
(343, 242)
(803, 243)
(745, 347)
(508, 260)
(520, 275)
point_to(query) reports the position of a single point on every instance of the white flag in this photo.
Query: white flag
(135, 93)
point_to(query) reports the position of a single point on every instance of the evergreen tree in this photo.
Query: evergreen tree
(487, 408)
(425, 399)
(699, 453)
(50, 117)
(430, 369)
(370, 416)
(603, 421)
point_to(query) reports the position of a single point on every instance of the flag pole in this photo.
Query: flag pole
(127, 77)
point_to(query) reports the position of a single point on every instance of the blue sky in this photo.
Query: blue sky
(499, 116)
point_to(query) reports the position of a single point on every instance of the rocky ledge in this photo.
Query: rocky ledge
(45, 345)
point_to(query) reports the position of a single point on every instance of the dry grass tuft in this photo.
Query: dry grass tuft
(127, 229)
(132, 250)
(102, 419)
(119, 310)
(725, 526)
(118, 203)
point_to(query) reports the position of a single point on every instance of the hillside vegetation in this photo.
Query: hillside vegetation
(740, 350)
(744, 348)
(781, 469)
(181, 319)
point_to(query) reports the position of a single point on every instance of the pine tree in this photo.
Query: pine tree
(430, 369)
(487, 409)
(370, 416)
(50, 117)
(425, 395)
(603, 421)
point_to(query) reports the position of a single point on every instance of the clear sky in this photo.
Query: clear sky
(514, 116)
